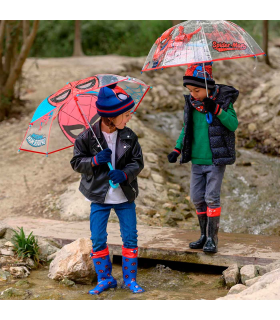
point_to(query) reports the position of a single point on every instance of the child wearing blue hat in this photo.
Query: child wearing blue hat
(121, 148)
(209, 145)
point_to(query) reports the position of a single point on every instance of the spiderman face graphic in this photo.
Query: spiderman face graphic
(70, 118)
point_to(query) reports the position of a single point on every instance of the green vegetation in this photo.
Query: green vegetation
(26, 247)
(123, 37)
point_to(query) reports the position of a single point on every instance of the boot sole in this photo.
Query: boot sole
(210, 251)
(111, 287)
(196, 247)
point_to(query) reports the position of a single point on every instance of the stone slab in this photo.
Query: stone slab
(162, 243)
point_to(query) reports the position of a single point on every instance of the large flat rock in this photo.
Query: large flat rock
(163, 243)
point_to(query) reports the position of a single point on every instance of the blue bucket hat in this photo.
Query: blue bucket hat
(113, 101)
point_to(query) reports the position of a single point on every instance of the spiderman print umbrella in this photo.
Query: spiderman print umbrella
(61, 117)
(200, 41)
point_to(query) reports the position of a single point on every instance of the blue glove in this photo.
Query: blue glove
(117, 176)
(102, 157)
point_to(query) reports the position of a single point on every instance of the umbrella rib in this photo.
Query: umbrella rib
(202, 28)
(243, 38)
(72, 116)
(224, 41)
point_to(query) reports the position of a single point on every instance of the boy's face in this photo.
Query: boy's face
(121, 120)
(198, 93)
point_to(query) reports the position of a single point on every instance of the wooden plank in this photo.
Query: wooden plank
(163, 243)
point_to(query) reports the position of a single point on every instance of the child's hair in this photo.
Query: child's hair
(108, 122)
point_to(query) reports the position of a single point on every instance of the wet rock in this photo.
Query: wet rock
(73, 262)
(47, 247)
(157, 178)
(19, 272)
(23, 284)
(4, 275)
(12, 292)
(162, 268)
(7, 252)
(250, 282)
(237, 288)
(248, 272)
(231, 275)
(68, 283)
(30, 263)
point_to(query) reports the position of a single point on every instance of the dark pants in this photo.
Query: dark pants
(205, 189)
(99, 216)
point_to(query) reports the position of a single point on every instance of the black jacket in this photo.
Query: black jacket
(222, 140)
(95, 181)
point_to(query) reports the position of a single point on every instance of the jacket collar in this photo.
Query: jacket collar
(124, 134)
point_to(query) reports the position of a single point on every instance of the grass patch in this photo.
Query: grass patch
(26, 247)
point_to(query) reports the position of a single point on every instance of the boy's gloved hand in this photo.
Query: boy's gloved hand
(117, 176)
(211, 106)
(172, 157)
(102, 157)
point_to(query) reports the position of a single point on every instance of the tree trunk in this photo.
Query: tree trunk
(265, 41)
(174, 22)
(78, 51)
(13, 61)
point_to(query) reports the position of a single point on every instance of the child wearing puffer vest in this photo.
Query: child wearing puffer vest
(121, 148)
(209, 146)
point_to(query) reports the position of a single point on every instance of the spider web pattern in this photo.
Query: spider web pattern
(136, 93)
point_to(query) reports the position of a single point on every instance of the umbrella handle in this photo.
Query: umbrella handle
(209, 117)
(114, 186)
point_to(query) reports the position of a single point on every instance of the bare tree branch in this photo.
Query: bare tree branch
(8, 89)
(2, 35)
(25, 29)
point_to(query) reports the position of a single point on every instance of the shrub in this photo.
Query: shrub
(26, 247)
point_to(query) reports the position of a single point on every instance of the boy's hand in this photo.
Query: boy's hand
(211, 106)
(172, 157)
(102, 157)
(117, 176)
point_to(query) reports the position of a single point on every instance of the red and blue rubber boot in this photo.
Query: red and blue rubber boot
(129, 267)
(103, 268)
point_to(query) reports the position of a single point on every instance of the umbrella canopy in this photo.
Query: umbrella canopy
(198, 41)
(61, 117)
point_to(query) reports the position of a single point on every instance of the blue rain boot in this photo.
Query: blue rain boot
(103, 268)
(129, 268)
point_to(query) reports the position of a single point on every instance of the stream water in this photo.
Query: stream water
(159, 281)
(250, 195)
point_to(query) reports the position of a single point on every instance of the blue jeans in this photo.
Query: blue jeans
(99, 216)
(205, 189)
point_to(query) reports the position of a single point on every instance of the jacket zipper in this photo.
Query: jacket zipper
(133, 191)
